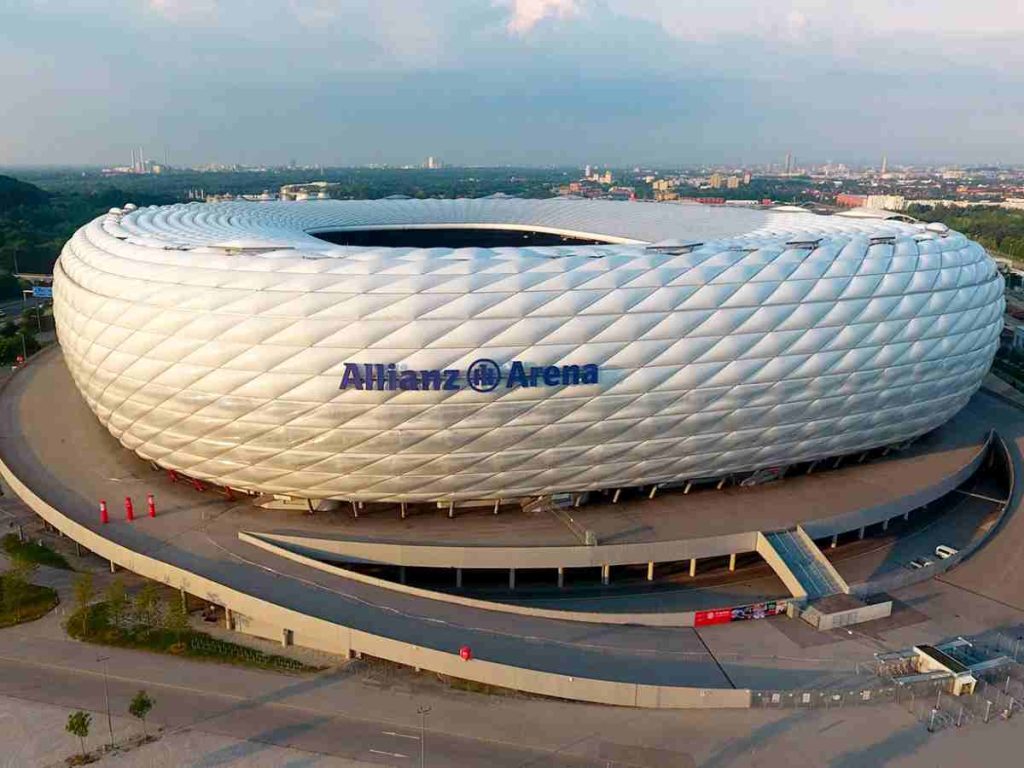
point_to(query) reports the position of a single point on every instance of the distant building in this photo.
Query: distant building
(433, 163)
(846, 200)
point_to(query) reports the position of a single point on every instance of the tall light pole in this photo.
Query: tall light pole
(423, 712)
(106, 697)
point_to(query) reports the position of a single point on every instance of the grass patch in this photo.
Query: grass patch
(30, 552)
(92, 624)
(33, 603)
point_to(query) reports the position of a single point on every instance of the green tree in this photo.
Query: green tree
(78, 725)
(146, 606)
(85, 592)
(176, 617)
(117, 602)
(139, 707)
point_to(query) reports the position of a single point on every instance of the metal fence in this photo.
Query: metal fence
(213, 646)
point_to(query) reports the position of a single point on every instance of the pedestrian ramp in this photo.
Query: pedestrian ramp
(799, 563)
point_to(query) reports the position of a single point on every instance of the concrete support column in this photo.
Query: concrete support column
(835, 540)
(451, 510)
(732, 562)
(404, 510)
(885, 524)
(184, 600)
(839, 460)
(720, 484)
(355, 510)
(497, 506)
(615, 496)
(286, 638)
(511, 578)
(401, 574)
(561, 577)
(605, 574)
(113, 568)
(689, 484)
(458, 578)
(650, 571)
(693, 566)
(229, 618)
(654, 490)
(860, 535)
(906, 515)
(812, 466)
(578, 500)
(78, 549)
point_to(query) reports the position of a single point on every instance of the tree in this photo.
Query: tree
(78, 725)
(85, 591)
(139, 707)
(117, 602)
(146, 605)
(176, 617)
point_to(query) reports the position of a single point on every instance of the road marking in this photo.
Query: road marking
(400, 735)
(389, 754)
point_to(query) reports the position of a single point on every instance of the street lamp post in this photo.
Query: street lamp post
(106, 697)
(423, 712)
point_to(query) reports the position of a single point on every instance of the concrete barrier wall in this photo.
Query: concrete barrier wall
(680, 619)
(323, 635)
(440, 556)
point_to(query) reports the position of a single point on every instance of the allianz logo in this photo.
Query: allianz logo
(483, 375)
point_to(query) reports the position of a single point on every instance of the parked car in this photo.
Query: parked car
(943, 551)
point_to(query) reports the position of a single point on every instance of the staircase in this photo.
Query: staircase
(800, 564)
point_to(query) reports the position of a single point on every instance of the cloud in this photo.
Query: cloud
(526, 14)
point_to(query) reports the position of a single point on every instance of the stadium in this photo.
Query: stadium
(299, 389)
(502, 349)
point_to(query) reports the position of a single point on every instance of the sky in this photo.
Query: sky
(518, 82)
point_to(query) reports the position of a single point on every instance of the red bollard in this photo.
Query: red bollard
(151, 504)
(129, 510)
(465, 653)
(104, 516)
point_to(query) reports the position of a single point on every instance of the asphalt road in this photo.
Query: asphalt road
(270, 719)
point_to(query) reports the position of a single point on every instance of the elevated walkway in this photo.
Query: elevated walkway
(803, 568)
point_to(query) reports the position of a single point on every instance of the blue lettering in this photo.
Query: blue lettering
(517, 376)
(352, 377)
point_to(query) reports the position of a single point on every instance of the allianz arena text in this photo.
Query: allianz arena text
(254, 346)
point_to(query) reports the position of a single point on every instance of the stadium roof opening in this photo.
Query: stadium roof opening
(455, 237)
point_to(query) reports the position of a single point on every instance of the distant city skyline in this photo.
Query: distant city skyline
(510, 82)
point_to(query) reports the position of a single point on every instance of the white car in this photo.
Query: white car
(943, 551)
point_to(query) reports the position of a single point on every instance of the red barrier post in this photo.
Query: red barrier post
(151, 504)
(129, 510)
(466, 653)
(104, 515)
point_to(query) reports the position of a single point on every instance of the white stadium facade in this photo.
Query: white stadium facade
(455, 350)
